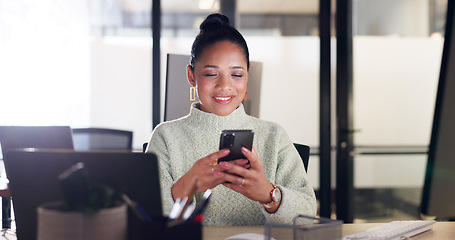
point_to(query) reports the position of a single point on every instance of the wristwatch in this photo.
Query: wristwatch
(275, 194)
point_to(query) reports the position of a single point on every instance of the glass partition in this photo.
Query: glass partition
(397, 55)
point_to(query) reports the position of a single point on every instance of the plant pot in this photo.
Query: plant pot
(105, 224)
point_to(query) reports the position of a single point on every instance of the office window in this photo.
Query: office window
(45, 62)
(397, 50)
(65, 63)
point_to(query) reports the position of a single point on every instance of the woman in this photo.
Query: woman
(245, 191)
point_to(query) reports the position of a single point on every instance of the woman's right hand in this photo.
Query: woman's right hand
(207, 172)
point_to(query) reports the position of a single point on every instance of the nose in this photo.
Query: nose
(224, 82)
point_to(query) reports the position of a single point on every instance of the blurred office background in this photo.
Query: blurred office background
(89, 64)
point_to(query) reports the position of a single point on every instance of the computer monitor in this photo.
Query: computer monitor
(177, 98)
(48, 137)
(439, 188)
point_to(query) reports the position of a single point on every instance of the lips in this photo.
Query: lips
(223, 99)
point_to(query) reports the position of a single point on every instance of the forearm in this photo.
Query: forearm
(181, 187)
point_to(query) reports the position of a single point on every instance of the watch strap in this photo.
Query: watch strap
(272, 203)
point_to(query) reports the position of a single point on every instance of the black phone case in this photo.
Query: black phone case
(234, 140)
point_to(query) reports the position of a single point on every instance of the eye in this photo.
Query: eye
(210, 74)
(237, 75)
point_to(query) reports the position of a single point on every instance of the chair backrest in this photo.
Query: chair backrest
(144, 146)
(102, 139)
(304, 152)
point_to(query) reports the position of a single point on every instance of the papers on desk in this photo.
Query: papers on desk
(248, 236)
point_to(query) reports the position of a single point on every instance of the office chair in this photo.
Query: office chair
(46, 137)
(304, 152)
(102, 139)
(144, 147)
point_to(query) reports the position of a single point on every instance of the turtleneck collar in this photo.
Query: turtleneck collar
(235, 120)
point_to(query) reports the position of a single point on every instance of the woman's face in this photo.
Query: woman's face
(220, 76)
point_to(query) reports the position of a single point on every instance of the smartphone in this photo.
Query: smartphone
(234, 140)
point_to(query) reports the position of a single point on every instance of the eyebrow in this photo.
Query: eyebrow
(210, 66)
(213, 66)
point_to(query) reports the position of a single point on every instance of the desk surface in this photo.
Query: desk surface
(440, 231)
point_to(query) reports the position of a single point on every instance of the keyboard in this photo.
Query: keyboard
(394, 230)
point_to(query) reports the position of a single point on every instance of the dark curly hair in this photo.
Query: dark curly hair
(216, 28)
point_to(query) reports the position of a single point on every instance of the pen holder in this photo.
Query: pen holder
(158, 229)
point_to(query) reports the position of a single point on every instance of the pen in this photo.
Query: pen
(136, 208)
(187, 200)
(175, 209)
(190, 194)
(200, 209)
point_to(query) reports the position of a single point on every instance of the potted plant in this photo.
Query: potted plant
(88, 211)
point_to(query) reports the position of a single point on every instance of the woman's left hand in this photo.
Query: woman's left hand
(250, 182)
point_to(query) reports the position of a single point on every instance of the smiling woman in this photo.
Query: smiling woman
(270, 183)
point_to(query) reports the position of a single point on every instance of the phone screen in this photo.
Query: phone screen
(234, 140)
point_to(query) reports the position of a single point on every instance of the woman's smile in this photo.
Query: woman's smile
(225, 99)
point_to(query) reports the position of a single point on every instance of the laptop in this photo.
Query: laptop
(33, 176)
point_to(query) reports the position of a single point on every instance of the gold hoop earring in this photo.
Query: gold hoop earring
(192, 94)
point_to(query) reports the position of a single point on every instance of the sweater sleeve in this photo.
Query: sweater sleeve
(158, 146)
(297, 193)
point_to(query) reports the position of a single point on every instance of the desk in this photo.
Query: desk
(441, 230)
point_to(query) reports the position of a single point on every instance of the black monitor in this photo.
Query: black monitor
(177, 98)
(50, 137)
(438, 197)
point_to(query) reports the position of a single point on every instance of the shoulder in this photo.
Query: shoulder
(264, 125)
(170, 127)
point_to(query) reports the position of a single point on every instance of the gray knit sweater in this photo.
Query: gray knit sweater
(179, 143)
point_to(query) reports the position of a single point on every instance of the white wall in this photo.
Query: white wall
(395, 81)
(121, 86)
(40, 84)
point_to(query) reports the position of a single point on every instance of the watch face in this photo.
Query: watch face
(276, 195)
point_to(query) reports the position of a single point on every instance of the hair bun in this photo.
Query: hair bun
(214, 21)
